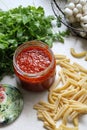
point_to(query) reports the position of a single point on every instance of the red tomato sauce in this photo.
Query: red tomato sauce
(33, 60)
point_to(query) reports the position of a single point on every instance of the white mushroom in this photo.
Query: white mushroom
(79, 7)
(84, 9)
(78, 17)
(74, 1)
(83, 34)
(84, 26)
(83, 2)
(84, 19)
(75, 11)
(71, 5)
(72, 19)
(68, 12)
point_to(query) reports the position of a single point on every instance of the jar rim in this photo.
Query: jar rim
(27, 44)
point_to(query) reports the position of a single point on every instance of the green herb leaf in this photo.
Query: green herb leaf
(59, 21)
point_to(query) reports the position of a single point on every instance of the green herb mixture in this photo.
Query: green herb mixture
(20, 25)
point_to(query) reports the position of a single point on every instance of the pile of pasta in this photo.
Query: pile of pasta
(67, 98)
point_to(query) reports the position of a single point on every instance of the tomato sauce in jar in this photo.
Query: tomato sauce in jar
(34, 65)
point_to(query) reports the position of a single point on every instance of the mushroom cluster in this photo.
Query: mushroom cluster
(76, 11)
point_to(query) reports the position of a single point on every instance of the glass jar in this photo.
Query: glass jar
(34, 76)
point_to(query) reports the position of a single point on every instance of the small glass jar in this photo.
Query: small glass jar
(37, 81)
